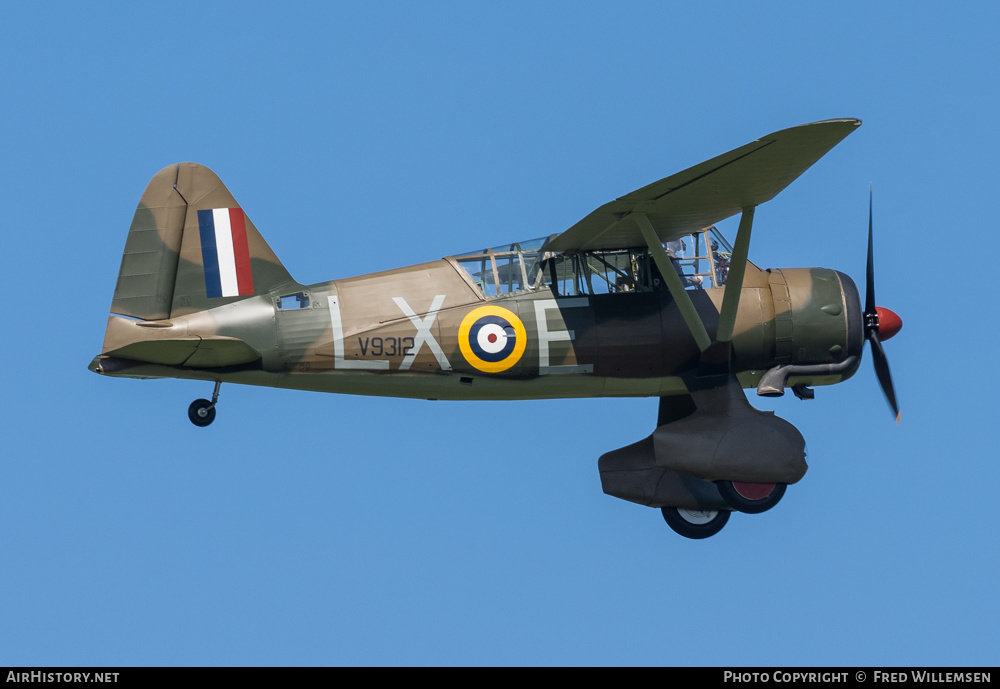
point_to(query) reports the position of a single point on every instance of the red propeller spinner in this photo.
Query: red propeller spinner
(888, 323)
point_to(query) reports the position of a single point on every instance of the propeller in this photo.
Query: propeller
(880, 323)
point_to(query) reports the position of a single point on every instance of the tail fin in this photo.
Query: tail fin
(191, 247)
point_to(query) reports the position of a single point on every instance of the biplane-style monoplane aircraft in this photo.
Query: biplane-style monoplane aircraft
(643, 297)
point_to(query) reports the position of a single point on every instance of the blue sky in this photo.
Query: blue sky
(360, 137)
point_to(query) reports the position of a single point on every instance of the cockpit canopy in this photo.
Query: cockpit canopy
(700, 258)
(504, 269)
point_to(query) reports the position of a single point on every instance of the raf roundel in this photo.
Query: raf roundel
(492, 339)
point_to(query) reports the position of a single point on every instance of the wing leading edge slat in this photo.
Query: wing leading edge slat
(708, 192)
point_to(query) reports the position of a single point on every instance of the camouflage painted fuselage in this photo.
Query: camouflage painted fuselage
(400, 333)
(200, 294)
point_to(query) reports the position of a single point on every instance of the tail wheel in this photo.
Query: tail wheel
(201, 412)
(752, 498)
(695, 523)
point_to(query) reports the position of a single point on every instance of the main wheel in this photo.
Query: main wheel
(695, 523)
(752, 498)
(201, 413)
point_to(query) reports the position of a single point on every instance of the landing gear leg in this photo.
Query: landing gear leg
(202, 412)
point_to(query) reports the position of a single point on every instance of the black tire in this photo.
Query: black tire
(742, 500)
(695, 524)
(201, 413)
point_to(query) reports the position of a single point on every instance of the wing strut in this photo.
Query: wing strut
(674, 284)
(734, 284)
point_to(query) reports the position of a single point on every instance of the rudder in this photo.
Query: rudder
(191, 247)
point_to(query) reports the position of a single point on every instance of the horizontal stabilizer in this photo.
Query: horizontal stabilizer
(162, 342)
(709, 192)
(192, 352)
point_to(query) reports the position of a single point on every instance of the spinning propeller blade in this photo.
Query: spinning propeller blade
(880, 323)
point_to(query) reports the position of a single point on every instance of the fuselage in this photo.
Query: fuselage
(431, 331)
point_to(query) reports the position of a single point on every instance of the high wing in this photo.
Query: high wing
(708, 192)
